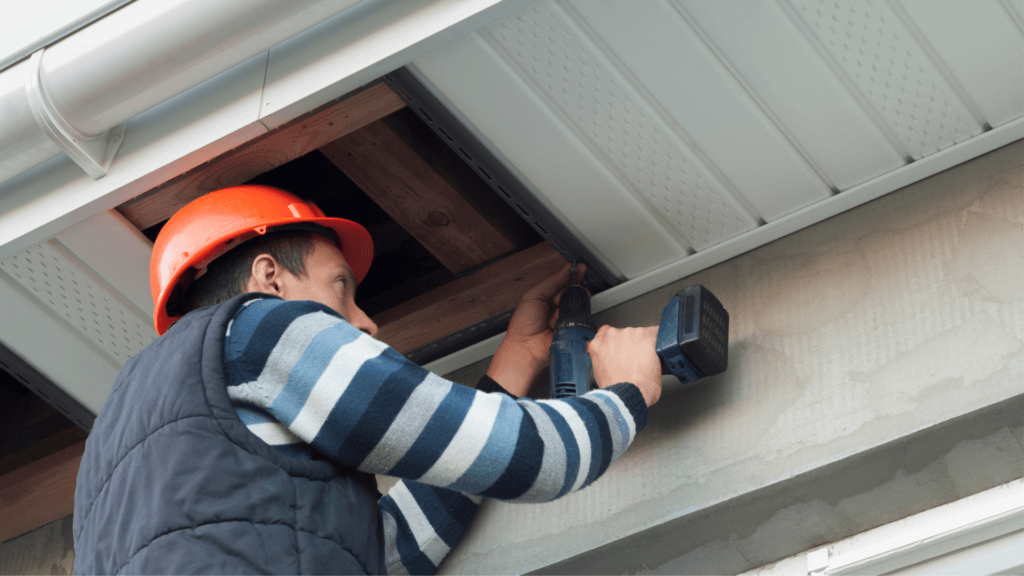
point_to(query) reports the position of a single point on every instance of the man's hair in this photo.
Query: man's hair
(227, 276)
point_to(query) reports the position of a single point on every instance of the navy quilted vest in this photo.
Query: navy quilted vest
(172, 482)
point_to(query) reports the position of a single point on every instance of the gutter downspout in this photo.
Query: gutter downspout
(75, 95)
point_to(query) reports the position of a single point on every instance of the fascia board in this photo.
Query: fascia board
(367, 41)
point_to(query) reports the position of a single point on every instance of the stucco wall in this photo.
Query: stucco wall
(876, 370)
(46, 550)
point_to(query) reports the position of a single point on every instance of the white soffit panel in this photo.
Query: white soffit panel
(778, 68)
(981, 46)
(537, 142)
(45, 340)
(71, 291)
(719, 116)
(1015, 9)
(674, 69)
(871, 49)
(617, 122)
(117, 252)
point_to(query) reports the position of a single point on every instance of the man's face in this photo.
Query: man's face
(329, 281)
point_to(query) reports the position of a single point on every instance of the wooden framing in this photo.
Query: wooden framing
(417, 197)
(417, 189)
(41, 448)
(279, 146)
(39, 493)
(487, 292)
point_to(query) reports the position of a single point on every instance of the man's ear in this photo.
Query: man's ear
(265, 276)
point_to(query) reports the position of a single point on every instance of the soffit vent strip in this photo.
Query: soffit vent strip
(45, 388)
(460, 339)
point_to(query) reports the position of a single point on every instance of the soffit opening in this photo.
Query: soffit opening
(451, 259)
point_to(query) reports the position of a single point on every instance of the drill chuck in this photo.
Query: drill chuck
(570, 361)
(574, 309)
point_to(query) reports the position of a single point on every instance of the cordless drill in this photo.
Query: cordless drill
(693, 338)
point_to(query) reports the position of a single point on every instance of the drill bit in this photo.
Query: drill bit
(575, 271)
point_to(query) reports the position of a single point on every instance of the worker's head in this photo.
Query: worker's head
(257, 239)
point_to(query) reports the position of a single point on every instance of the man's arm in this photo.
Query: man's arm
(360, 402)
(422, 523)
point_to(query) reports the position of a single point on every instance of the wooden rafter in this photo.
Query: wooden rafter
(279, 146)
(39, 493)
(473, 298)
(412, 192)
(429, 200)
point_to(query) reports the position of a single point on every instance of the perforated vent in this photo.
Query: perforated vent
(892, 71)
(544, 44)
(79, 300)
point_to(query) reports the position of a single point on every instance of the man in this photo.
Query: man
(244, 439)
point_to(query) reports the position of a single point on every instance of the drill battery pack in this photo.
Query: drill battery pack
(693, 337)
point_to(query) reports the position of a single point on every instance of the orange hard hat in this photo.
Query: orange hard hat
(210, 225)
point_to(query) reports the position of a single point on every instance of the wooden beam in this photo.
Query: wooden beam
(39, 493)
(411, 191)
(475, 297)
(42, 448)
(279, 146)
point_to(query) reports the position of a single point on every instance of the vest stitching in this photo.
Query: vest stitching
(116, 391)
(149, 435)
(197, 526)
(204, 385)
(106, 481)
(217, 420)
(110, 476)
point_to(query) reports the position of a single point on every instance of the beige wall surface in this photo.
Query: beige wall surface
(876, 369)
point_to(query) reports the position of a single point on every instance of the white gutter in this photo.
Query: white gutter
(75, 95)
(312, 68)
(63, 17)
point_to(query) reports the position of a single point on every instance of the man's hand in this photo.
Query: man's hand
(525, 351)
(627, 355)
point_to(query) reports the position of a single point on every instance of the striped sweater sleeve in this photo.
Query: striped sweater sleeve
(353, 398)
(421, 525)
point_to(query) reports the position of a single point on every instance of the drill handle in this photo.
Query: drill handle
(571, 370)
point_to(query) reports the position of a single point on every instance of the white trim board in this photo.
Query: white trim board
(836, 204)
(987, 516)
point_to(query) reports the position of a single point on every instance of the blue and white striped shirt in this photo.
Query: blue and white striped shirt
(303, 379)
